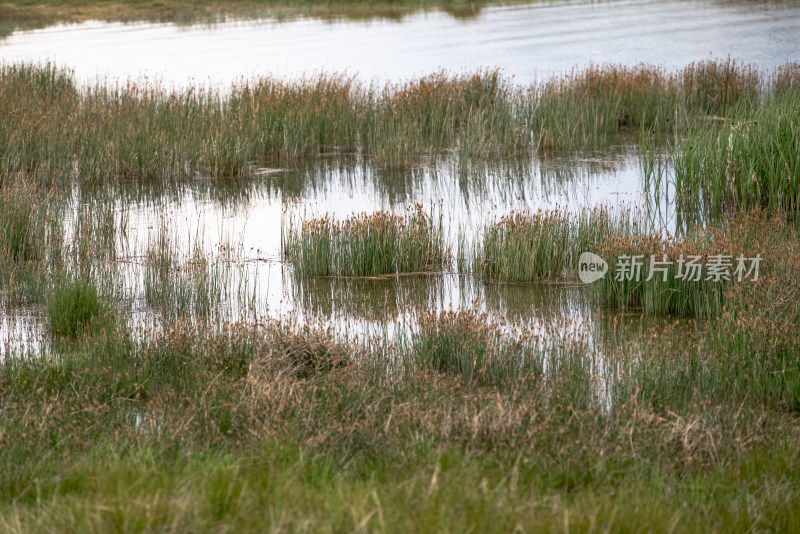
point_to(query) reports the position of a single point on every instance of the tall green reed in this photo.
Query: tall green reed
(543, 245)
(366, 244)
(57, 132)
(752, 159)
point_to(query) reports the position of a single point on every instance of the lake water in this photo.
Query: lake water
(528, 42)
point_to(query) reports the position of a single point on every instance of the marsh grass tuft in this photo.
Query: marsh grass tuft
(588, 106)
(672, 291)
(714, 87)
(750, 160)
(30, 240)
(544, 245)
(76, 307)
(366, 244)
(471, 346)
(178, 284)
(682, 283)
(22, 225)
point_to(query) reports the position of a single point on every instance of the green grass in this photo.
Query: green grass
(201, 429)
(280, 488)
(366, 244)
(544, 245)
(752, 159)
(76, 307)
(715, 87)
(108, 133)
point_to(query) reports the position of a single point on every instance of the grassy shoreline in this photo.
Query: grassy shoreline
(53, 131)
(198, 429)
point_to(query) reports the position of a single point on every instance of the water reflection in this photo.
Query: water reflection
(212, 249)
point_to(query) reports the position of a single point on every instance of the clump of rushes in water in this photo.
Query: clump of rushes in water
(366, 244)
(21, 227)
(543, 245)
(177, 286)
(670, 292)
(751, 159)
(30, 241)
(76, 307)
(714, 87)
(472, 346)
(687, 276)
(586, 106)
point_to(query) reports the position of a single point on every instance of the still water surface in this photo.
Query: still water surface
(528, 42)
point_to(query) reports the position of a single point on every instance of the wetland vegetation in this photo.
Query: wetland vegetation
(214, 416)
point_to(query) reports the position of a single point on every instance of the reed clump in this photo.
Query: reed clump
(145, 132)
(715, 87)
(544, 245)
(76, 307)
(22, 222)
(660, 276)
(177, 284)
(38, 109)
(31, 243)
(694, 275)
(746, 351)
(477, 116)
(587, 106)
(366, 244)
(471, 346)
(786, 79)
(751, 160)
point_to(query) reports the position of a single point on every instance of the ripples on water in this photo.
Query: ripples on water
(530, 42)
